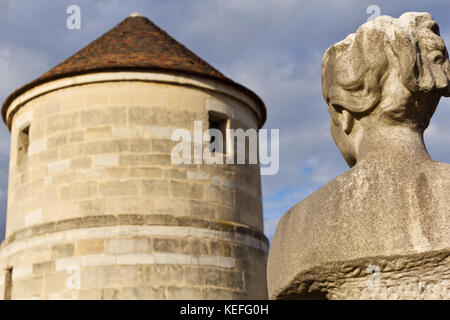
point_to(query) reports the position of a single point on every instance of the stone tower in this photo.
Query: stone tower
(381, 229)
(96, 207)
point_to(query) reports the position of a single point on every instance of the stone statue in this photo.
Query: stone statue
(381, 229)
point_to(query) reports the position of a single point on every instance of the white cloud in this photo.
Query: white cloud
(18, 66)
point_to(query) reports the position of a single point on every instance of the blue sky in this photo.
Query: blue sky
(274, 47)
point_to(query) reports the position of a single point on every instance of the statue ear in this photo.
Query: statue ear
(347, 121)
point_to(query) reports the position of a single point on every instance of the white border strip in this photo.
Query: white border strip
(143, 259)
(129, 231)
(208, 84)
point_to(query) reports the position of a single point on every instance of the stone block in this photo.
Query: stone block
(163, 146)
(99, 221)
(62, 122)
(125, 132)
(37, 146)
(98, 133)
(146, 173)
(122, 275)
(148, 94)
(22, 272)
(80, 190)
(22, 119)
(90, 294)
(181, 189)
(104, 117)
(119, 188)
(90, 278)
(96, 95)
(72, 98)
(57, 140)
(108, 146)
(61, 178)
(91, 246)
(80, 163)
(27, 288)
(106, 161)
(171, 206)
(71, 151)
(63, 250)
(166, 245)
(75, 136)
(217, 294)
(122, 93)
(145, 160)
(33, 218)
(194, 275)
(184, 293)
(227, 213)
(48, 105)
(174, 173)
(140, 145)
(213, 277)
(110, 294)
(128, 205)
(155, 188)
(152, 293)
(162, 275)
(193, 99)
(131, 219)
(202, 209)
(197, 175)
(124, 246)
(59, 166)
(43, 268)
(232, 279)
(55, 282)
(256, 285)
(140, 293)
(195, 247)
(45, 156)
(220, 248)
(115, 173)
(223, 195)
(149, 116)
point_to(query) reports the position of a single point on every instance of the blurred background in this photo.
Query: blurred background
(273, 47)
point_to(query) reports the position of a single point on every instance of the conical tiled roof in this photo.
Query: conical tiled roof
(134, 44)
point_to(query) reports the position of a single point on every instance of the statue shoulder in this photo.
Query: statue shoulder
(321, 198)
(310, 208)
(442, 171)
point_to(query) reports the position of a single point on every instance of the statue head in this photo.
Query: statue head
(391, 72)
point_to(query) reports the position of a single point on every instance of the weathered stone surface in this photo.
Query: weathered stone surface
(95, 246)
(419, 276)
(184, 293)
(382, 86)
(63, 250)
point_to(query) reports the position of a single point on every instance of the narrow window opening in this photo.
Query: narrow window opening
(8, 284)
(219, 122)
(23, 141)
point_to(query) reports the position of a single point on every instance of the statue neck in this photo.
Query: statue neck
(395, 146)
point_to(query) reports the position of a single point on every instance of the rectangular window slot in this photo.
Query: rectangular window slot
(219, 122)
(23, 141)
(8, 284)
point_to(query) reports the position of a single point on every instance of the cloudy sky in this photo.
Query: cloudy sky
(274, 47)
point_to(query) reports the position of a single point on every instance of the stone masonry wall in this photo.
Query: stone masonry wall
(96, 196)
